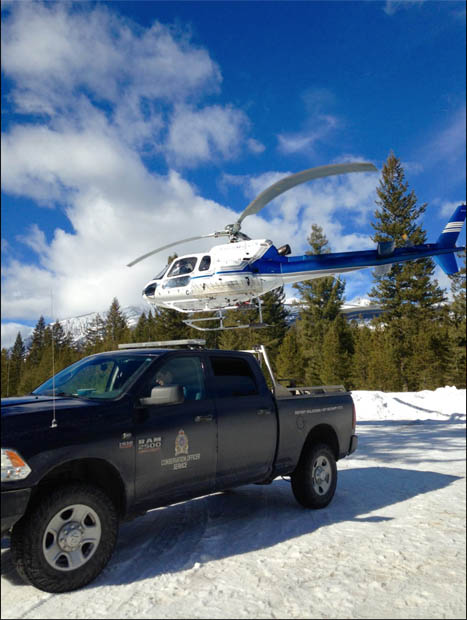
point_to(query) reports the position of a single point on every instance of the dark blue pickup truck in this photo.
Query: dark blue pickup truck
(122, 432)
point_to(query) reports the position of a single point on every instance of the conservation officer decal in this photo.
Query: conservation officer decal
(181, 458)
(181, 443)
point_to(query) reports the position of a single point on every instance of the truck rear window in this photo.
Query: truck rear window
(234, 377)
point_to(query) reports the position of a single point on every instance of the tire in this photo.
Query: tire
(315, 478)
(66, 540)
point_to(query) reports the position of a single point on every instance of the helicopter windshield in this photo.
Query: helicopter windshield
(183, 266)
(161, 274)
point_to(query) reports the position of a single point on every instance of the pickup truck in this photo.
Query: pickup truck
(119, 433)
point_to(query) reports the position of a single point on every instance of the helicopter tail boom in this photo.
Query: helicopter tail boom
(448, 238)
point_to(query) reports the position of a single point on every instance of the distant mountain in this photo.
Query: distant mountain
(76, 326)
(360, 309)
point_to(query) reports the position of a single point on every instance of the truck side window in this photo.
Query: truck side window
(234, 377)
(184, 371)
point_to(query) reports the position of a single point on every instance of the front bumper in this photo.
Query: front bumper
(353, 444)
(14, 505)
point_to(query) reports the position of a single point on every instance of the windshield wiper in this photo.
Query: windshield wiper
(55, 393)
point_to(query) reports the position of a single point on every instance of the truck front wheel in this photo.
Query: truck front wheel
(65, 541)
(315, 478)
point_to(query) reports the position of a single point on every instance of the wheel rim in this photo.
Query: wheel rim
(321, 475)
(71, 537)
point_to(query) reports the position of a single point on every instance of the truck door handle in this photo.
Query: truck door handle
(263, 411)
(203, 418)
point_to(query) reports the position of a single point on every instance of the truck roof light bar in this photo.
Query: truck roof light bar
(191, 343)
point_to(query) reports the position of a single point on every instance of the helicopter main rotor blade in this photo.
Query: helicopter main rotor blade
(296, 179)
(169, 245)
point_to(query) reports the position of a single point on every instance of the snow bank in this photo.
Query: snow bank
(447, 404)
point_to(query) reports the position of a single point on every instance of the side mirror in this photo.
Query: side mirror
(164, 395)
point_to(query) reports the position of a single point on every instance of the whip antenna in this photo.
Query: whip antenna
(54, 420)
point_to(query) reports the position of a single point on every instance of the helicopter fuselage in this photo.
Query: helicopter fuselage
(230, 275)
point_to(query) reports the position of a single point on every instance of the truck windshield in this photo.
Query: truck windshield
(102, 377)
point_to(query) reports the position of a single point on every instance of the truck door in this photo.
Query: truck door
(246, 421)
(176, 443)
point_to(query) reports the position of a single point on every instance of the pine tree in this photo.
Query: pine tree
(321, 302)
(289, 363)
(46, 367)
(274, 315)
(169, 325)
(16, 366)
(363, 343)
(382, 365)
(141, 330)
(407, 294)
(64, 353)
(429, 366)
(337, 351)
(116, 329)
(457, 331)
(94, 335)
(407, 290)
(37, 343)
(5, 372)
(33, 358)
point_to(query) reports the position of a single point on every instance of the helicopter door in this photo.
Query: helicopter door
(179, 275)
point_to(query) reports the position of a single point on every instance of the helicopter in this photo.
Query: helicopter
(235, 275)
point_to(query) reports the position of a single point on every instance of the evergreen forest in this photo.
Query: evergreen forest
(418, 342)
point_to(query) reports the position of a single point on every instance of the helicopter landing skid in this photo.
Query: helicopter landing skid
(220, 317)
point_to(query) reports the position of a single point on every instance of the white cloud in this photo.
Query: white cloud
(446, 145)
(318, 125)
(447, 208)
(205, 134)
(318, 129)
(73, 60)
(52, 49)
(35, 239)
(117, 211)
(10, 332)
(87, 157)
(392, 6)
(255, 146)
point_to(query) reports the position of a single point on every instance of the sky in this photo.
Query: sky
(128, 125)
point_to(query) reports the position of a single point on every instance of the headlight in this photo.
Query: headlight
(13, 466)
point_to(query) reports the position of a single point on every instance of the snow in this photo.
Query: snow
(390, 545)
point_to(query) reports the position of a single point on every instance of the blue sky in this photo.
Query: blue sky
(126, 125)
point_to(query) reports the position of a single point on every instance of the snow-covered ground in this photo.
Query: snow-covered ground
(390, 545)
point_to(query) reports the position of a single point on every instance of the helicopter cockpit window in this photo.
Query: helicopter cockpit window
(205, 263)
(182, 266)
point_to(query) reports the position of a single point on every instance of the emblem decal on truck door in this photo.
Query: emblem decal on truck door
(181, 443)
(181, 458)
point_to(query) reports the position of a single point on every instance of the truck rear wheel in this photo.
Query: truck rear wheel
(65, 541)
(315, 478)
